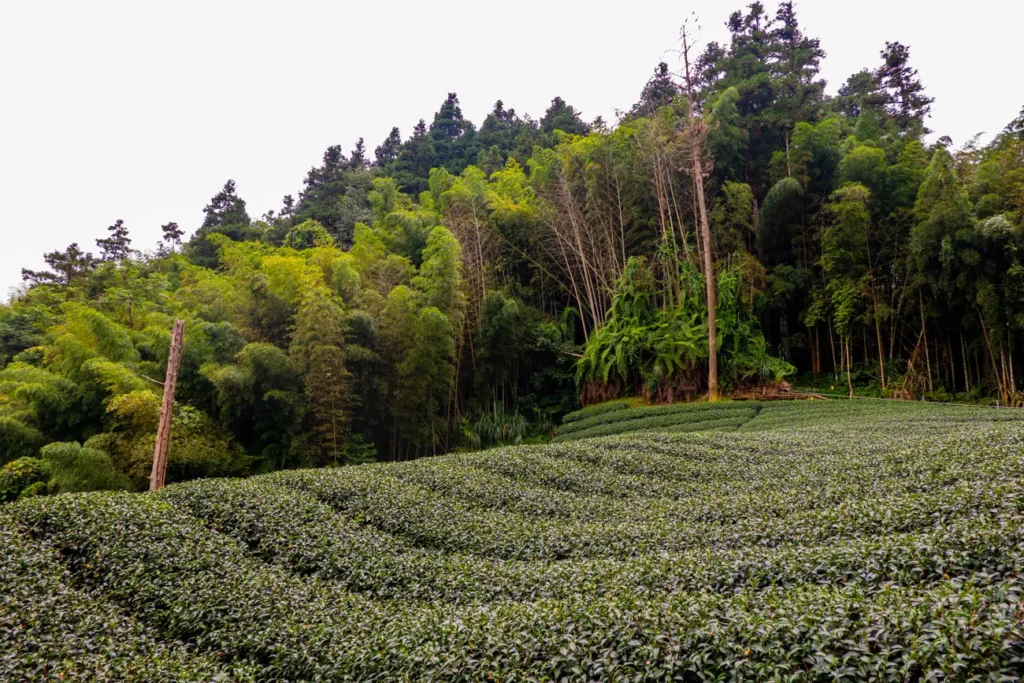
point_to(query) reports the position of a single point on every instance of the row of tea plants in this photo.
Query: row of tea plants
(835, 541)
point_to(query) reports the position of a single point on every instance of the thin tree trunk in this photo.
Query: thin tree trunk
(789, 167)
(1005, 375)
(849, 363)
(812, 337)
(1013, 382)
(967, 375)
(992, 355)
(757, 232)
(952, 364)
(881, 353)
(832, 345)
(924, 332)
(878, 324)
(864, 344)
(679, 219)
(977, 369)
(817, 350)
(705, 230)
(709, 278)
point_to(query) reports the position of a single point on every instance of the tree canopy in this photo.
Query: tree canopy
(468, 285)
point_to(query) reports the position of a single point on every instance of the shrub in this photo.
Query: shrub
(74, 468)
(17, 440)
(19, 475)
(198, 448)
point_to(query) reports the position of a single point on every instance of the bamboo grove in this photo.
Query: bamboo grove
(467, 286)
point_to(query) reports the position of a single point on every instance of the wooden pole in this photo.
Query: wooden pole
(163, 434)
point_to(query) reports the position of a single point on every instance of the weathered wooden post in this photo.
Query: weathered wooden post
(163, 433)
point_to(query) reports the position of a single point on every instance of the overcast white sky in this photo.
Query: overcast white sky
(141, 110)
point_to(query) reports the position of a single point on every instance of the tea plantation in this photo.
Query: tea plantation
(811, 541)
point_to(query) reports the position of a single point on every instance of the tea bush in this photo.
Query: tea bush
(683, 411)
(617, 417)
(838, 541)
(52, 630)
(594, 410)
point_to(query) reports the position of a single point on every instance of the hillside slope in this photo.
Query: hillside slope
(847, 541)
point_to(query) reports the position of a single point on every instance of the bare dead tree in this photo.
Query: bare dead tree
(580, 234)
(466, 216)
(696, 132)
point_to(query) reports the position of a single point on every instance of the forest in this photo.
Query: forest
(466, 286)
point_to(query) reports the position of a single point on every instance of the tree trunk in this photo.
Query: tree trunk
(757, 232)
(967, 375)
(924, 332)
(1013, 382)
(881, 354)
(992, 356)
(789, 167)
(812, 338)
(832, 346)
(878, 324)
(705, 230)
(849, 363)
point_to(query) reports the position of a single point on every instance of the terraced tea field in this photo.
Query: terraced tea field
(784, 541)
(621, 417)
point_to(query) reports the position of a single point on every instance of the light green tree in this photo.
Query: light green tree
(318, 354)
(425, 380)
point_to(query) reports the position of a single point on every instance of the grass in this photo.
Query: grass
(798, 541)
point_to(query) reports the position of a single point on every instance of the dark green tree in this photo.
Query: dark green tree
(226, 209)
(503, 134)
(861, 91)
(906, 102)
(564, 117)
(225, 215)
(172, 234)
(452, 137)
(660, 91)
(388, 150)
(118, 246)
(748, 65)
(796, 63)
(67, 268)
(411, 168)
(358, 159)
(335, 194)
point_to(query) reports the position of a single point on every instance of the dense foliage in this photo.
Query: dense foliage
(467, 286)
(842, 541)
